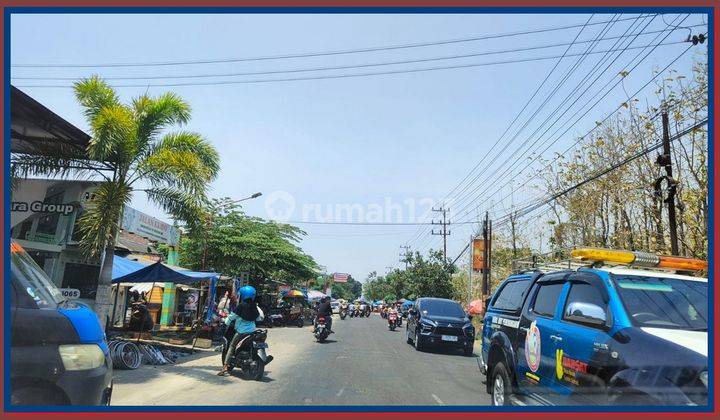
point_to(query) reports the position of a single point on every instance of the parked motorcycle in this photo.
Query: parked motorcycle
(320, 331)
(283, 317)
(250, 356)
(392, 318)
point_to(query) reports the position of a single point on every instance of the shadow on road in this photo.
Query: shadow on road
(327, 341)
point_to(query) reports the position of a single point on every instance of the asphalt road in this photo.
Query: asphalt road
(363, 363)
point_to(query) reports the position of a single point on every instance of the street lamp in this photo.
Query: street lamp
(209, 220)
(256, 195)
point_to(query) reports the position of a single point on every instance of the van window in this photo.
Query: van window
(510, 297)
(546, 299)
(32, 279)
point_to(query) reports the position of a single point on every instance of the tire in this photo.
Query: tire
(500, 386)
(37, 396)
(256, 373)
(300, 323)
(418, 343)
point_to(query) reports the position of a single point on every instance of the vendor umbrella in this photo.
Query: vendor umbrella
(294, 294)
(476, 307)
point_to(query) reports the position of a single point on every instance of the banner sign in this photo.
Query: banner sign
(139, 223)
(478, 261)
(340, 277)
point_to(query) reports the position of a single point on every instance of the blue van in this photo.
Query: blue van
(597, 336)
(58, 351)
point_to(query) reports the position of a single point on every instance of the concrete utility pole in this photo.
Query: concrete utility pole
(665, 160)
(470, 271)
(405, 254)
(487, 238)
(444, 230)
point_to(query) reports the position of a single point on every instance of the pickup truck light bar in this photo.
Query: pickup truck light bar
(639, 259)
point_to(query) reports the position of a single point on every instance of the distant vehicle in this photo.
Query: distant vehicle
(320, 331)
(58, 352)
(599, 336)
(335, 305)
(440, 322)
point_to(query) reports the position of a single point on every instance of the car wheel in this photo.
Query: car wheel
(418, 344)
(500, 389)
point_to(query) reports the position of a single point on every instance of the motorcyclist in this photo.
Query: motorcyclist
(245, 315)
(363, 306)
(325, 309)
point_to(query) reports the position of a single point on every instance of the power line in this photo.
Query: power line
(344, 76)
(585, 113)
(530, 208)
(597, 125)
(563, 103)
(542, 105)
(527, 103)
(343, 67)
(307, 54)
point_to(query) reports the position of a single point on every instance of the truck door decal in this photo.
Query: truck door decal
(532, 347)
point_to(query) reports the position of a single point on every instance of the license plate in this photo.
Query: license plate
(449, 338)
(261, 345)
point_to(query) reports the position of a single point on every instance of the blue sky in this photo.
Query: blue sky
(364, 141)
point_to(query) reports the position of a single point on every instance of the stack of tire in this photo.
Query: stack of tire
(125, 354)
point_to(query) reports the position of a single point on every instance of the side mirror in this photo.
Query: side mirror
(587, 313)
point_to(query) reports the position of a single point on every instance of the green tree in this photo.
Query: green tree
(427, 276)
(231, 243)
(172, 169)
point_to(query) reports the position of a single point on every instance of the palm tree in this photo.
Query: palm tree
(172, 169)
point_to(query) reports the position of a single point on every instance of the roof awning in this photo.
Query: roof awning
(128, 271)
(36, 130)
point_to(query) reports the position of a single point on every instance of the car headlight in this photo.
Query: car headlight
(704, 378)
(469, 330)
(426, 325)
(81, 356)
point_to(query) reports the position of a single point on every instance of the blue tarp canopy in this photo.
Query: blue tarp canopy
(128, 271)
(407, 303)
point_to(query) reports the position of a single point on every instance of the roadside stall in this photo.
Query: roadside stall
(149, 302)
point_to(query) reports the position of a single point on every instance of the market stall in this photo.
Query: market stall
(146, 283)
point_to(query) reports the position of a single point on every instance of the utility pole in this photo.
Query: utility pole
(444, 228)
(405, 254)
(665, 160)
(470, 271)
(486, 255)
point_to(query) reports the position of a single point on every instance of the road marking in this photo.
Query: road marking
(340, 392)
(439, 401)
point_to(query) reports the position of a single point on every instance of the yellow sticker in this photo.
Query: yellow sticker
(559, 371)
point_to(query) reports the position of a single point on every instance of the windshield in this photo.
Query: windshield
(32, 279)
(657, 302)
(442, 308)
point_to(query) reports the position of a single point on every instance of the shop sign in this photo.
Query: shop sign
(137, 222)
(42, 207)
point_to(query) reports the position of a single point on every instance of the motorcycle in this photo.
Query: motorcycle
(321, 332)
(392, 321)
(250, 356)
(343, 313)
(279, 317)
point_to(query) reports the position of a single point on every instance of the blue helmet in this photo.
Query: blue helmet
(247, 292)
